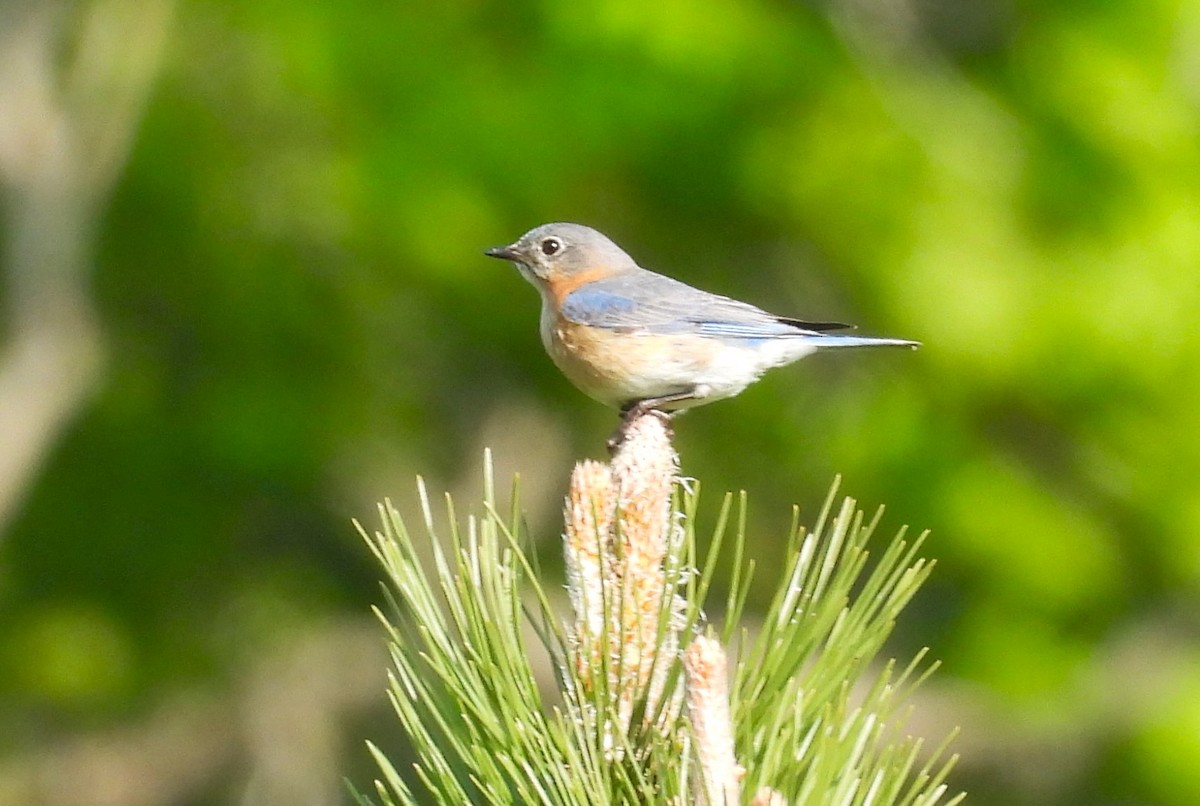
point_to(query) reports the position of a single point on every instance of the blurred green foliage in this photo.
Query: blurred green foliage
(299, 319)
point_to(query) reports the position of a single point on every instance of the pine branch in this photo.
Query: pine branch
(806, 716)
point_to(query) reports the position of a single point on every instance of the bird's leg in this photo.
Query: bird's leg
(651, 405)
(636, 408)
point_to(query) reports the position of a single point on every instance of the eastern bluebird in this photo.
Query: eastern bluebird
(637, 340)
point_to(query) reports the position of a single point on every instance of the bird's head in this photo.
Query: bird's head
(564, 254)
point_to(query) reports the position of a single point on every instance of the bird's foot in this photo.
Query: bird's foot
(630, 415)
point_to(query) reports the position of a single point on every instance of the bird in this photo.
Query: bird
(640, 341)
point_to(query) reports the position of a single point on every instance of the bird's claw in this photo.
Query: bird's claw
(628, 417)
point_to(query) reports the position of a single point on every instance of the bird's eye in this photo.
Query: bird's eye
(550, 246)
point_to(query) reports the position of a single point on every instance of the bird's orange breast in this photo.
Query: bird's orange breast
(615, 367)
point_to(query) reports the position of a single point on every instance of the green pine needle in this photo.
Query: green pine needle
(814, 717)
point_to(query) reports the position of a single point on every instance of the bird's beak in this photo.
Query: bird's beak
(503, 252)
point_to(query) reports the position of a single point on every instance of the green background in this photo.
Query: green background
(295, 319)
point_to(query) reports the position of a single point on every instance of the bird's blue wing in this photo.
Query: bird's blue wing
(646, 302)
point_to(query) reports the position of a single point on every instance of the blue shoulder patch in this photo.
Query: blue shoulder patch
(593, 306)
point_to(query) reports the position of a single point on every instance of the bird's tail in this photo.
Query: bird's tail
(828, 340)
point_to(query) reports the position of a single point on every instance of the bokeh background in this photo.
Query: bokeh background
(244, 300)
